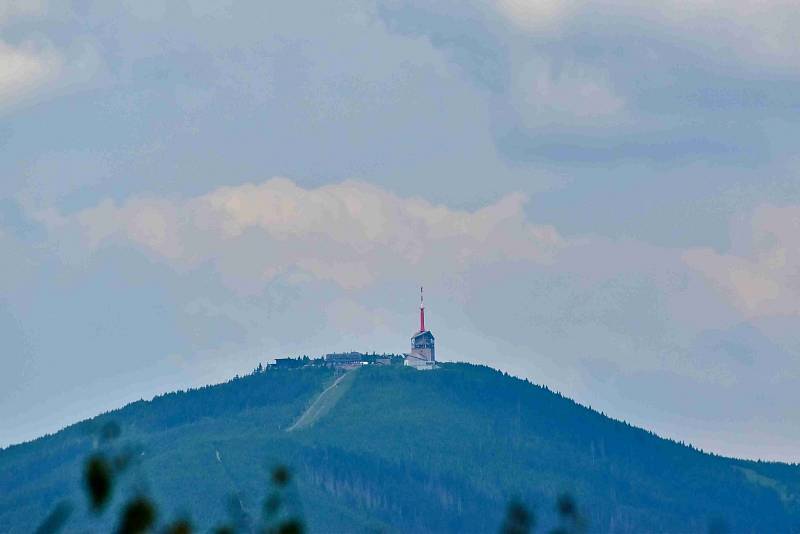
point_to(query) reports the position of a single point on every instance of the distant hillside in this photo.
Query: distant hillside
(392, 449)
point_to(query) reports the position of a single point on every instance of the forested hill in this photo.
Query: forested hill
(392, 449)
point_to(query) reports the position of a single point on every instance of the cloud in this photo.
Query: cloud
(535, 15)
(12, 9)
(25, 68)
(761, 277)
(36, 68)
(551, 94)
(27, 65)
(349, 233)
(762, 33)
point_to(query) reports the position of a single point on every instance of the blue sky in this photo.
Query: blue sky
(600, 196)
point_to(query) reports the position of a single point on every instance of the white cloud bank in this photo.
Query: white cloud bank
(355, 235)
(349, 233)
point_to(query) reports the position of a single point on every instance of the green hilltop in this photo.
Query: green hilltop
(391, 449)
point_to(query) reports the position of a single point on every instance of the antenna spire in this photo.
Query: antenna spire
(421, 311)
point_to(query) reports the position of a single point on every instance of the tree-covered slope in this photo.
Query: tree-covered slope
(398, 450)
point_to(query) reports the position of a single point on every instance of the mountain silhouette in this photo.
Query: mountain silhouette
(392, 449)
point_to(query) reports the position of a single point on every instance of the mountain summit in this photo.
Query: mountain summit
(390, 449)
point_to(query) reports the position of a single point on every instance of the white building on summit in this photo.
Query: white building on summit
(423, 354)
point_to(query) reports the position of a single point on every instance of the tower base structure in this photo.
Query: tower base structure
(419, 363)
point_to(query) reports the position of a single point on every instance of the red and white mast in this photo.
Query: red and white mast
(421, 311)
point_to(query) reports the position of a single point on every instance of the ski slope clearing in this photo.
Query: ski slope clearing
(324, 402)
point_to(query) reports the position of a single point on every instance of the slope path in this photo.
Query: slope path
(325, 401)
